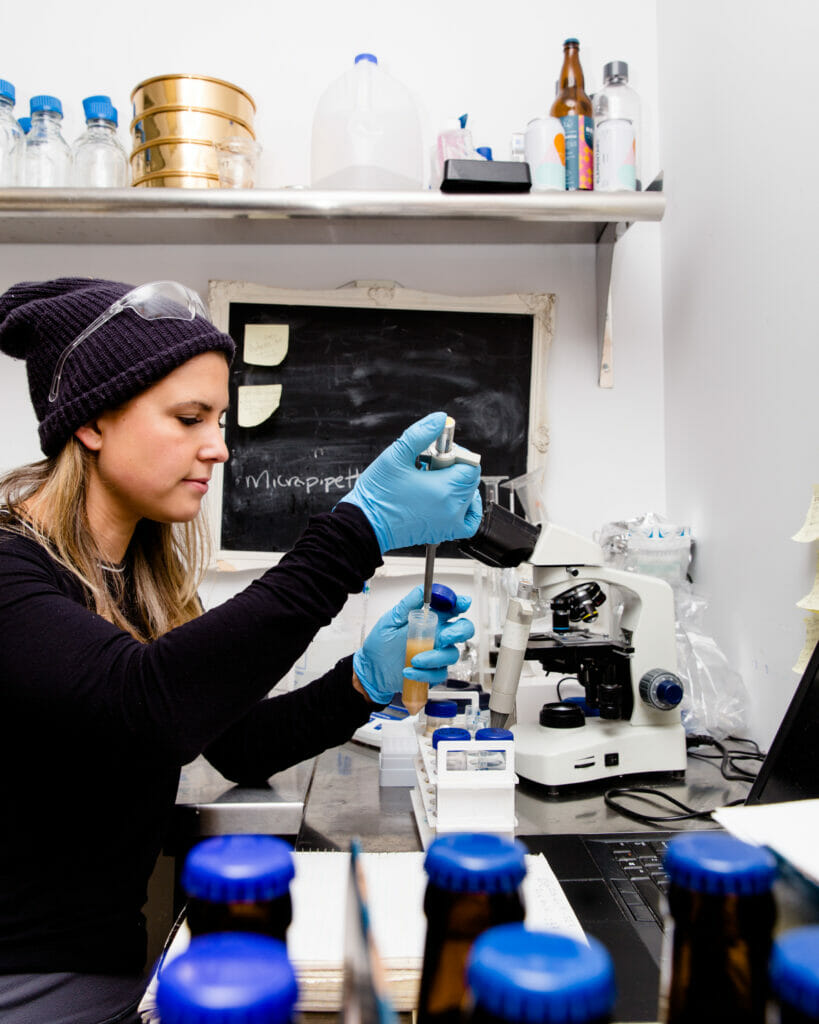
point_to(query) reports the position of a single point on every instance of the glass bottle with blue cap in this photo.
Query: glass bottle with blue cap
(717, 941)
(518, 976)
(794, 975)
(229, 978)
(473, 883)
(239, 883)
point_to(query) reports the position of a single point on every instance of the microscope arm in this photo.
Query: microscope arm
(514, 641)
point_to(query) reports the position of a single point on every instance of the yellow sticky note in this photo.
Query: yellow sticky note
(809, 530)
(266, 344)
(257, 402)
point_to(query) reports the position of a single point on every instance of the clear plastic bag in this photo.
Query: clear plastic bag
(715, 699)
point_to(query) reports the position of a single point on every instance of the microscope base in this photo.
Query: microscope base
(598, 750)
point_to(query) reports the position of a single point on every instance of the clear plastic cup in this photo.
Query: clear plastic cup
(423, 624)
(529, 491)
(236, 160)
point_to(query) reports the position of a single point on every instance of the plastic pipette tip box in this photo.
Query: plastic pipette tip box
(486, 176)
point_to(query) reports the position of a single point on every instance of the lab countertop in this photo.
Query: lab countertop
(329, 800)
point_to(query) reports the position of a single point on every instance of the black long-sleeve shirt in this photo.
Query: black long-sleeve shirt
(95, 726)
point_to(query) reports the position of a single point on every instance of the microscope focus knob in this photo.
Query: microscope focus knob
(661, 689)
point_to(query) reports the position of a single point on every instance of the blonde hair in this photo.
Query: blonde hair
(167, 561)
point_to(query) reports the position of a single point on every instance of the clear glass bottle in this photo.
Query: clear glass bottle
(47, 156)
(239, 883)
(473, 884)
(718, 932)
(516, 976)
(617, 131)
(229, 977)
(11, 138)
(99, 158)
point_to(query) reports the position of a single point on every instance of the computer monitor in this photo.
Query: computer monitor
(791, 769)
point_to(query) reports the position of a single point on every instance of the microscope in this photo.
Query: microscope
(631, 723)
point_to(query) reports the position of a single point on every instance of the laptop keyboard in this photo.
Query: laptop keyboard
(635, 871)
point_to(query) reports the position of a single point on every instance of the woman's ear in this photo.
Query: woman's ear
(90, 436)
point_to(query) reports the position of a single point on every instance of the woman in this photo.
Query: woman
(112, 678)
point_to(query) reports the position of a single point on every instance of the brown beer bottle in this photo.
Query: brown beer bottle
(574, 108)
(473, 884)
(718, 931)
(239, 883)
(518, 976)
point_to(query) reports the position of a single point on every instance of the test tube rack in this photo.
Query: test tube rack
(464, 786)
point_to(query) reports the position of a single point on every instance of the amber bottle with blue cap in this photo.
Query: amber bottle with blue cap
(229, 978)
(518, 976)
(718, 934)
(239, 883)
(473, 883)
(794, 976)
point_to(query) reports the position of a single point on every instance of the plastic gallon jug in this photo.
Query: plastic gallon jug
(366, 132)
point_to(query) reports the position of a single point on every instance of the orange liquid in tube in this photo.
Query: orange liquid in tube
(423, 624)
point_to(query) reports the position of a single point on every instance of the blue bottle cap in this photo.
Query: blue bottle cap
(475, 862)
(794, 969)
(571, 42)
(25, 124)
(494, 734)
(441, 708)
(238, 869)
(449, 732)
(718, 863)
(366, 56)
(7, 90)
(485, 152)
(232, 978)
(442, 598)
(41, 103)
(534, 977)
(99, 107)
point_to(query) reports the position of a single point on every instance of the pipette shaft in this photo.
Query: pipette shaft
(442, 447)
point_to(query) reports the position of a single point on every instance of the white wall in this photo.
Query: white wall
(739, 279)
(607, 458)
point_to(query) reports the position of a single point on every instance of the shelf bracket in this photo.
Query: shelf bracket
(604, 260)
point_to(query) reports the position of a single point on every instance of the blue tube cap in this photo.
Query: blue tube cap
(718, 863)
(794, 969)
(494, 734)
(238, 869)
(475, 862)
(228, 978)
(442, 598)
(441, 708)
(447, 733)
(532, 977)
(366, 56)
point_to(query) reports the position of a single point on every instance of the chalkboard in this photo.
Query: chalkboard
(324, 381)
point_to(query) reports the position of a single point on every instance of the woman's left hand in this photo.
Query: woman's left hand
(379, 664)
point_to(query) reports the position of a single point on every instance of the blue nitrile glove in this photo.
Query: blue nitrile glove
(406, 505)
(379, 664)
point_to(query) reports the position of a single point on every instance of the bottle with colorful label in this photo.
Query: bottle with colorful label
(574, 108)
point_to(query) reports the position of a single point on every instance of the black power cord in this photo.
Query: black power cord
(728, 768)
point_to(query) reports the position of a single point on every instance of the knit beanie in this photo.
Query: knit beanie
(120, 359)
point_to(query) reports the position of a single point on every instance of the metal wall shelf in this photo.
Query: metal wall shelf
(133, 216)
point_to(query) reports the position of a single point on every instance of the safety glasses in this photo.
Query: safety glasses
(158, 300)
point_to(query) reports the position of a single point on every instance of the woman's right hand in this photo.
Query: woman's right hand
(408, 506)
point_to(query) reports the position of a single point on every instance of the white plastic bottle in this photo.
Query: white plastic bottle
(366, 132)
(47, 156)
(100, 159)
(616, 109)
(11, 137)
